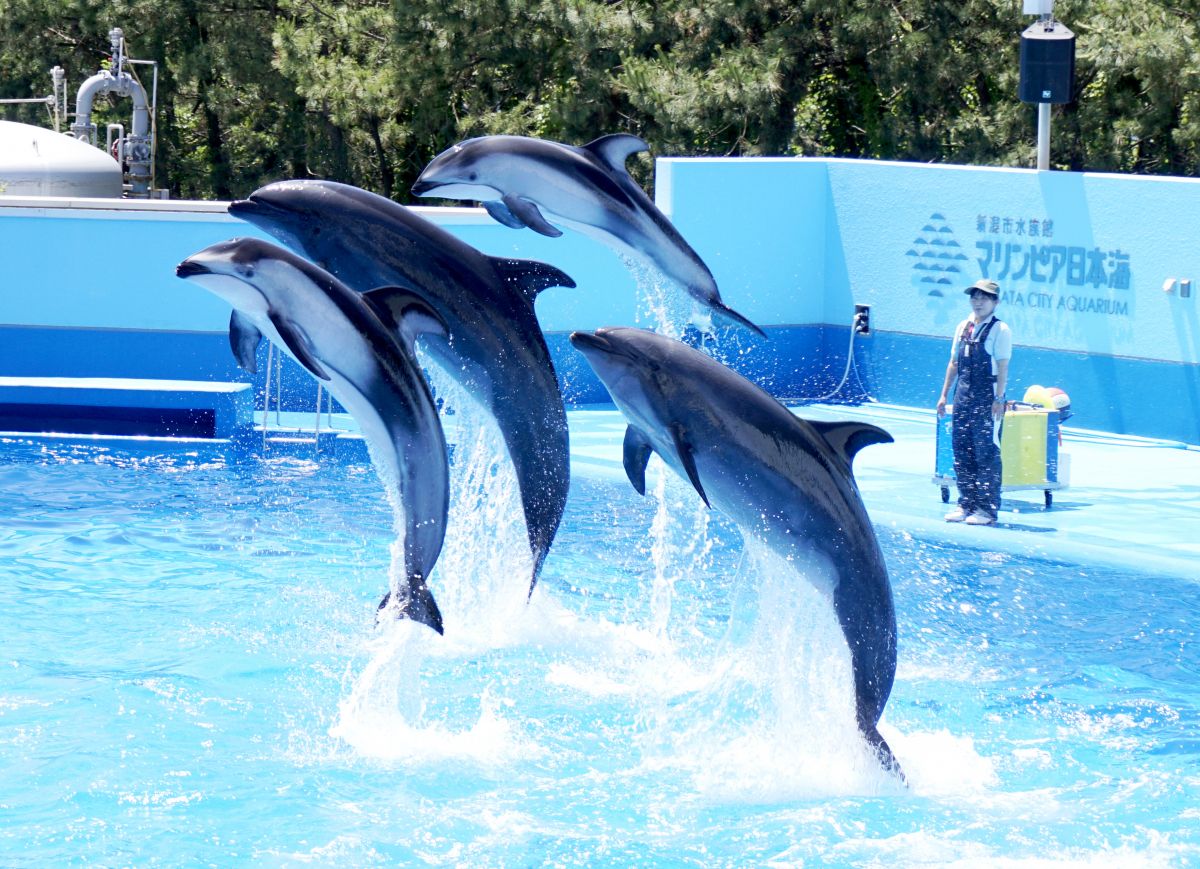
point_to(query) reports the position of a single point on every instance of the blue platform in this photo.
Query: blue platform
(124, 406)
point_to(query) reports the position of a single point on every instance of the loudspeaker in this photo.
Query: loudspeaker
(1047, 63)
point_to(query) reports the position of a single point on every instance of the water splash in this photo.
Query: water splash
(482, 578)
(481, 584)
(662, 305)
(680, 547)
(776, 719)
(384, 714)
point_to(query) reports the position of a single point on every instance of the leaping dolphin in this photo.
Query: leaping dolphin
(783, 479)
(517, 178)
(495, 346)
(361, 346)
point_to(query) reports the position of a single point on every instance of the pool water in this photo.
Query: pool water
(191, 674)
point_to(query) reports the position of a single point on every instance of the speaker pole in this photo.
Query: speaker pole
(1047, 69)
(1043, 142)
(1043, 134)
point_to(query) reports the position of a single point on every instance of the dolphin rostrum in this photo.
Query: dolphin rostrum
(517, 178)
(782, 479)
(361, 346)
(495, 346)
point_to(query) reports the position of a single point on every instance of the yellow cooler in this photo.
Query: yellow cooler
(1029, 452)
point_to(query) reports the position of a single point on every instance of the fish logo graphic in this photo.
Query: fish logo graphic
(937, 258)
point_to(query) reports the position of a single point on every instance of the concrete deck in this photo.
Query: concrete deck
(1132, 503)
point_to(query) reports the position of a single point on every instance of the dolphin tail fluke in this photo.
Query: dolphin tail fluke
(541, 523)
(539, 550)
(541, 459)
(884, 752)
(420, 606)
(730, 314)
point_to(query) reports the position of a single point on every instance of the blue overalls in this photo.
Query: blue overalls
(976, 456)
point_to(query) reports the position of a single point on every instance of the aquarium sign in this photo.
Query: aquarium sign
(1034, 227)
(1053, 288)
(1073, 265)
(1040, 271)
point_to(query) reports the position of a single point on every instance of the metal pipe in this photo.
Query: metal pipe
(1043, 136)
(59, 76)
(124, 85)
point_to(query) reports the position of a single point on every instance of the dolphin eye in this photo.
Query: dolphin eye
(474, 176)
(246, 270)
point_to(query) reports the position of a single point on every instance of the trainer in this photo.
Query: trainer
(979, 360)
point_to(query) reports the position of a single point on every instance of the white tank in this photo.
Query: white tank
(40, 162)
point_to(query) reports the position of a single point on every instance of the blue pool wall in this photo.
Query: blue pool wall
(1084, 296)
(1082, 259)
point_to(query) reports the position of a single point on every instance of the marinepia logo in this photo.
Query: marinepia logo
(938, 259)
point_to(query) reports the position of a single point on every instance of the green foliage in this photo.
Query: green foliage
(367, 91)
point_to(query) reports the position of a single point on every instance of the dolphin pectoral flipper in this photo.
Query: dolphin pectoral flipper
(847, 438)
(527, 212)
(616, 148)
(687, 458)
(500, 213)
(297, 341)
(636, 453)
(531, 276)
(244, 339)
(406, 312)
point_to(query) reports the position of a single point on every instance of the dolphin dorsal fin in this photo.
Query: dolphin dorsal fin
(244, 339)
(687, 458)
(299, 344)
(635, 454)
(531, 276)
(847, 438)
(616, 148)
(406, 312)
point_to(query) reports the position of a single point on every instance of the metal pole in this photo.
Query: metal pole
(1043, 136)
(1043, 155)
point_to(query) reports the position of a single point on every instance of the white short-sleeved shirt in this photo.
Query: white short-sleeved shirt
(998, 343)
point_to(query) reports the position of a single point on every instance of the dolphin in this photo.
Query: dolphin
(361, 346)
(517, 178)
(495, 347)
(782, 479)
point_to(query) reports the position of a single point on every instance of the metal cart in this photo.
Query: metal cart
(1029, 452)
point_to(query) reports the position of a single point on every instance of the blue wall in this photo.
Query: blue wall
(1081, 259)
(89, 287)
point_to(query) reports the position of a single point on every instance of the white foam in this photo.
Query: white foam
(940, 764)
(383, 717)
(775, 721)
(481, 581)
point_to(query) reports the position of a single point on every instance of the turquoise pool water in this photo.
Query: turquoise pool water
(190, 675)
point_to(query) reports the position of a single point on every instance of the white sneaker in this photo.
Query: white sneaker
(980, 518)
(958, 514)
